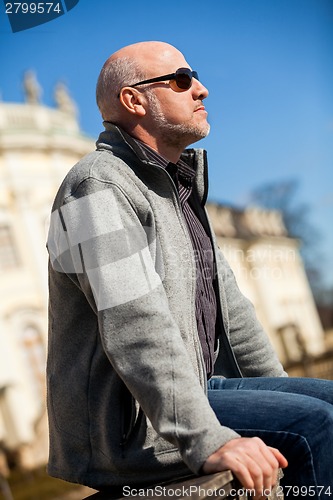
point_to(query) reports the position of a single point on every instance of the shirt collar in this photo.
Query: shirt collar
(151, 154)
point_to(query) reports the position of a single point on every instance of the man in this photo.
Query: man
(141, 300)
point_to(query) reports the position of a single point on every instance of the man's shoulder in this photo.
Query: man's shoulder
(96, 170)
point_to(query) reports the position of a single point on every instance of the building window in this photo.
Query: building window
(8, 254)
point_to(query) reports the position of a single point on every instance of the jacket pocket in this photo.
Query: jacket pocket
(128, 415)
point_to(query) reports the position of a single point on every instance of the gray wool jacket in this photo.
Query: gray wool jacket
(127, 399)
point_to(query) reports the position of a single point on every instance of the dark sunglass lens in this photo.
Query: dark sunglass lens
(184, 79)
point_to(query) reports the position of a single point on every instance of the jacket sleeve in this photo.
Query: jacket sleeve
(101, 241)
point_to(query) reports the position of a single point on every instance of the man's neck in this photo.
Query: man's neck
(172, 154)
(168, 153)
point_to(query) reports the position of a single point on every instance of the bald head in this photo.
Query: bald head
(147, 54)
(128, 65)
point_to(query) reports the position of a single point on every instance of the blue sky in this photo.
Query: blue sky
(268, 65)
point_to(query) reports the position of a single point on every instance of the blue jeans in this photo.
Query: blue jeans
(294, 415)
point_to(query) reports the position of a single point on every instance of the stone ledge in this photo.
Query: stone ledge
(213, 486)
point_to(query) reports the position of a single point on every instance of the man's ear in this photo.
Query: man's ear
(133, 101)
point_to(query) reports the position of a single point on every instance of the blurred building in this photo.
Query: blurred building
(270, 272)
(38, 145)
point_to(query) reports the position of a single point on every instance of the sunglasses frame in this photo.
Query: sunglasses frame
(171, 76)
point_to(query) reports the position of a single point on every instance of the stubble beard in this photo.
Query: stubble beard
(178, 135)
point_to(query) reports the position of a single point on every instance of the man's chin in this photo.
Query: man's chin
(207, 130)
(182, 135)
(202, 133)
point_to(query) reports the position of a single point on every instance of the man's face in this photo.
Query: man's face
(179, 118)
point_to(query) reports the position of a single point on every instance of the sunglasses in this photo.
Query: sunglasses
(179, 81)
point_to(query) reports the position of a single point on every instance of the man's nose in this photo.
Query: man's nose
(201, 92)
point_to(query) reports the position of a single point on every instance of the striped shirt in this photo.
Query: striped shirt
(205, 301)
